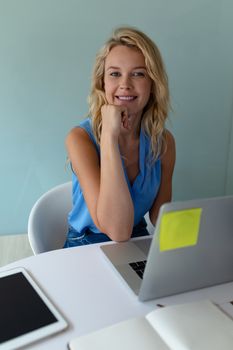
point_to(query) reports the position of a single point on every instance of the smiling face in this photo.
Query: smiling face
(126, 81)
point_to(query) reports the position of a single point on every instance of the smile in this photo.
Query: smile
(126, 98)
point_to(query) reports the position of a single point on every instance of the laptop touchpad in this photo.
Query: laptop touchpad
(144, 245)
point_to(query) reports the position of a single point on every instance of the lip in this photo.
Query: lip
(126, 98)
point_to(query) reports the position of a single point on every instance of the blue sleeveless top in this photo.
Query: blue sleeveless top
(143, 190)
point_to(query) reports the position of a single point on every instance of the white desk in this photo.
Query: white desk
(89, 293)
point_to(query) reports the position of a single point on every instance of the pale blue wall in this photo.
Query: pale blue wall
(47, 48)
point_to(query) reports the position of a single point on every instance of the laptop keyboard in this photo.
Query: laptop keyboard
(138, 267)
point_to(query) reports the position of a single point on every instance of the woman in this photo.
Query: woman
(122, 156)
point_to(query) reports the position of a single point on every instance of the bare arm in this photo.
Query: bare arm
(165, 190)
(85, 163)
(104, 186)
(114, 206)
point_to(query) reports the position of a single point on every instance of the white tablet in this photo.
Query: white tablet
(26, 314)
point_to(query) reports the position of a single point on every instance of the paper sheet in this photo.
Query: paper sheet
(179, 229)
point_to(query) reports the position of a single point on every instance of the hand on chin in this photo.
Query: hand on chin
(125, 122)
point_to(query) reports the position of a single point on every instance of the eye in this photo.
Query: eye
(138, 74)
(114, 74)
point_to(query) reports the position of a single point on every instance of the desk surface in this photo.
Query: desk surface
(91, 295)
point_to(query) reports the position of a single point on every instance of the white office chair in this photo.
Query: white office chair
(47, 224)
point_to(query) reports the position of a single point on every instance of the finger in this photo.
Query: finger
(126, 124)
(124, 111)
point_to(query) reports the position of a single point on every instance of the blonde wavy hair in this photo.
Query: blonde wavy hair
(156, 111)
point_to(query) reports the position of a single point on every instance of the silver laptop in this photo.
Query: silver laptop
(192, 248)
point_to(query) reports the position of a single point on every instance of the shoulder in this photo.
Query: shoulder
(81, 150)
(77, 133)
(169, 138)
(83, 132)
(79, 140)
(169, 150)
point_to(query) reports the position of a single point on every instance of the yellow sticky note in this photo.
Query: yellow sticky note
(179, 229)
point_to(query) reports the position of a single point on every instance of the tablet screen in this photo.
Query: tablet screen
(25, 312)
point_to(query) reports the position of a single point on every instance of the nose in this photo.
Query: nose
(125, 82)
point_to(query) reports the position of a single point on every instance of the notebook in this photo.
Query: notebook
(191, 249)
(26, 314)
(192, 326)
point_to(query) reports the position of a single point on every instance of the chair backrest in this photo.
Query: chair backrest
(47, 224)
